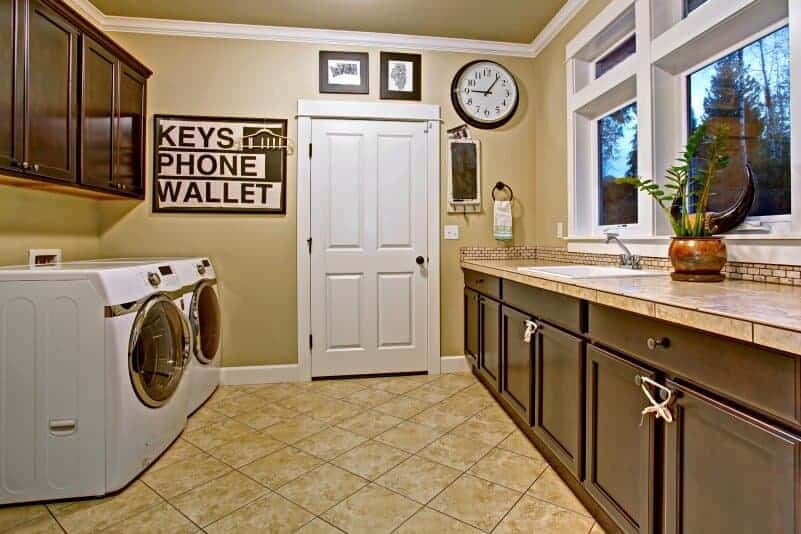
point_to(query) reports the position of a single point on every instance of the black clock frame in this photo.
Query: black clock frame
(457, 105)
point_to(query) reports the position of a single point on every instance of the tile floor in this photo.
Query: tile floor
(404, 454)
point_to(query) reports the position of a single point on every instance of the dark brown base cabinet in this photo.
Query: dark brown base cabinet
(70, 115)
(730, 459)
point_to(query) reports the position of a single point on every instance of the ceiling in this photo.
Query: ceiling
(517, 21)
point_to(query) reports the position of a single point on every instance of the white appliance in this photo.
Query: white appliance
(92, 388)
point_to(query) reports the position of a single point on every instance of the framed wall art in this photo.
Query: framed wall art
(401, 76)
(345, 72)
(219, 164)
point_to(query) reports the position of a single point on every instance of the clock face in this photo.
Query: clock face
(484, 94)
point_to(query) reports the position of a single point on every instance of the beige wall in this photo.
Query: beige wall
(39, 219)
(550, 104)
(255, 255)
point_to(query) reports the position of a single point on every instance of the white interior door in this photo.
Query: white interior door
(368, 222)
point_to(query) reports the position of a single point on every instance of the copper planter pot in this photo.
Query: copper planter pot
(697, 259)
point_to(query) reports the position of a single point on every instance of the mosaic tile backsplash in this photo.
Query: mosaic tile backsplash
(758, 272)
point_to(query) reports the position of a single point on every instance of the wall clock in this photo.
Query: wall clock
(484, 94)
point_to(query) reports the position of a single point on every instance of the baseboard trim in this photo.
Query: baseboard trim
(260, 374)
(454, 364)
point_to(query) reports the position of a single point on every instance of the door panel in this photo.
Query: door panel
(10, 76)
(129, 175)
(727, 472)
(98, 114)
(518, 361)
(559, 395)
(369, 220)
(490, 340)
(471, 327)
(620, 442)
(51, 94)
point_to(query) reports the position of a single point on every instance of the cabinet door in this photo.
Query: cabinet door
(472, 322)
(517, 360)
(100, 69)
(10, 95)
(620, 443)
(51, 94)
(129, 175)
(728, 472)
(490, 358)
(559, 395)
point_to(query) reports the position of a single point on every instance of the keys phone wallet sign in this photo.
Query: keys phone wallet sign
(219, 165)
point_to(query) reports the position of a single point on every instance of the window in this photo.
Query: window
(617, 55)
(748, 91)
(692, 5)
(617, 158)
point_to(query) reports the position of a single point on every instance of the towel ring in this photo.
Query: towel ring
(500, 186)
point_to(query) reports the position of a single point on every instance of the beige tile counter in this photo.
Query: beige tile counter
(766, 314)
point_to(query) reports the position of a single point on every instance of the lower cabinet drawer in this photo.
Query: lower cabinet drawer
(483, 283)
(766, 380)
(726, 471)
(558, 309)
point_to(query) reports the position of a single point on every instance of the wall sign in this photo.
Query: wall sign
(219, 164)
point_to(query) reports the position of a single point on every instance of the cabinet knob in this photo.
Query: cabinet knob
(654, 342)
(26, 165)
(35, 167)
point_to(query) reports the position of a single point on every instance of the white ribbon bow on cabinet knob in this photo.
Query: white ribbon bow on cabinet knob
(659, 409)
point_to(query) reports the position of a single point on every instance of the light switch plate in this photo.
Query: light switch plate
(451, 231)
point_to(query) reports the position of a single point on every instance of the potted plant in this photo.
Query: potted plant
(696, 254)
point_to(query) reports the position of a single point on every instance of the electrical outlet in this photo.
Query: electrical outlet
(451, 231)
(560, 230)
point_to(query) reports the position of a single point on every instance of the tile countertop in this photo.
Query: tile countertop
(765, 314)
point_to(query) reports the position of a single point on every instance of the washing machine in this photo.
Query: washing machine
(202, 305)
(92, 375)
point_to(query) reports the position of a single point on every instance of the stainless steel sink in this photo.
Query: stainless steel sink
(588, 271)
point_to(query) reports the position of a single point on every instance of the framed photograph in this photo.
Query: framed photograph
(400, 76)
(345, 72)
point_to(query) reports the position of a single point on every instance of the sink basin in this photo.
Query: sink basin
(588, 271)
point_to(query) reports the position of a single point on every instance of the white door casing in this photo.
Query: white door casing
(370, 307)
(368, 221)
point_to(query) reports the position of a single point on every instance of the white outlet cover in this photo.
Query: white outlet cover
(451, 231)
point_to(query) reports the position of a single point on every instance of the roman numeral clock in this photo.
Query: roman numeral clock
(484, 94)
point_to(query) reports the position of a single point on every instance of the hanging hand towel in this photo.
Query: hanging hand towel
(502, 225)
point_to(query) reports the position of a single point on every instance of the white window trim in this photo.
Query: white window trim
(778, 246)
(609, 50)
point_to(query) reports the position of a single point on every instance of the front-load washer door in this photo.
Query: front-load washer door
(205, 314)
(158, 351)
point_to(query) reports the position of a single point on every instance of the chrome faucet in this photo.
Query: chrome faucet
(627, 259)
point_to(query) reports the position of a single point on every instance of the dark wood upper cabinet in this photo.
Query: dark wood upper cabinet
(490, 358)
(51, 94)
(518, 360)
(728, 472)
(620, 442)
(472, 324)
(72, 103)
(559, 395)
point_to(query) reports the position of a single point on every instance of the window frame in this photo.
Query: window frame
(767, 224)
(609, 50)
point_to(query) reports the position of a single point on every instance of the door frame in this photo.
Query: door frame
(308, 111)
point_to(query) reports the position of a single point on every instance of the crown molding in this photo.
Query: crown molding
(186, 28)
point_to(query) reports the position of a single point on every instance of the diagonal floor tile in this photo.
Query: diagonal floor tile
(370, 397)
(369, 424)
(518, 443)
(276, 392)
(339, 389)
(281, 467)
(431, 521)
(295, 429)
(90, 515)
(335, 411)
(218, 498)
(162, 519)
(185, 475)
(409, 437)
(488, 431)
(318, 526)
(428, 393)
(476, 501)
(179, 450)
(373, 510)
(509, 469)
(419, 479)
(320, 489)
(549, 487)
(203, 417)
(260, 419)
(455, 451)
(43, 525)
(246, 449)
(239, 404)
(532, 515)
(439, 418)
(330, 443)
(371, 459)
(271, 513)
(403, 407)
(216, 434)
(12, 516)
(304, 403)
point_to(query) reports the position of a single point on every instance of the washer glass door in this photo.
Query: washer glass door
(206, 322)
(158, 351)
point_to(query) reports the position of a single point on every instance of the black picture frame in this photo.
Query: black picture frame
(417, 76)
(362, 88)
(282, 161)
